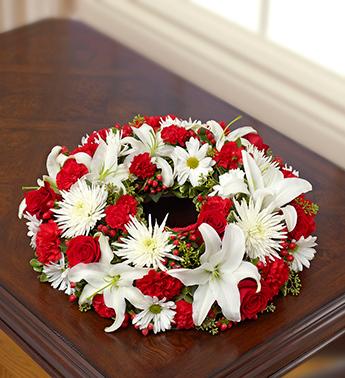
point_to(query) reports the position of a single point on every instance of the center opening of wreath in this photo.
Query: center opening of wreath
(181, 211)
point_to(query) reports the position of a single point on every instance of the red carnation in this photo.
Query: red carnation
(41, 200)
(230, 156)
(175, 135)
(288, 173)
(83, 249)
(88, 148)
(118, 215)
(252, 302)
(126, 131)
(214, 212)
(160, 285)
(48, 243)
(275, 273)
(100, 307)
(305, 225)
(142, 167)
(183, 317)
(96, 135)
(257, 141)
(69, 174)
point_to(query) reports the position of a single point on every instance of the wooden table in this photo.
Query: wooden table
(59, 80)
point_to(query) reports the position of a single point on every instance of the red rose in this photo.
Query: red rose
(252, 302)
(230, 156)
(41, 200)
(217, 203)
(69, 174)
(275, 273)
(214, 212)
(175, 135)
(101, 308)
(83, 249)
(257, 141)
(118, 215)
(216, 220)
(48, 243)
(183, 317)
(142, 167)
(160, 285)
(305, 225)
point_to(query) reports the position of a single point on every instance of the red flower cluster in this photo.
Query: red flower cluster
(183, 317)
(83, 249)
(275, 273)
(305, 222)
(252, 302)
(154, 121)
(70, 173)
(40, 201)
(116, 216)
(160, 285)
(230, 156)
(100, 307)
(88, 148)
(214, 212)
(48, 243)
(175, 135)
(142, 167)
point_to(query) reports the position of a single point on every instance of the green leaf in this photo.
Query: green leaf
(36, 265)
(43, 277)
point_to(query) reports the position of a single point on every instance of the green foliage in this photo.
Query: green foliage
(187, 294)
(84, 307)
(36, 265)
(270, 308)
(308, 207)
(43, 277)
(209, 325)
(137, 120)
(190, 256)
(293, 285)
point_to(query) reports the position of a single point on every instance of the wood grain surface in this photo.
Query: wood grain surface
(60, 80)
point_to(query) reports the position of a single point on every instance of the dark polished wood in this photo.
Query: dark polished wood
(61, 79)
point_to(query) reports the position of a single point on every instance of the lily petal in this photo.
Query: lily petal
(22, 207)
(233, 247)
(167, 172)
(253, 173)
(82, 158)
(106, 253)
(290, 188)
(290, 215)
(202, 302)
(114, 298)
(228, 297)
(92, 273)
(247, 270)
(240, 132)
(86, 294)
(53, 167)
(190, 277)
(212, 241)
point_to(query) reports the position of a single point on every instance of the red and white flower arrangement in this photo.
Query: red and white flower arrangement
(93, 241)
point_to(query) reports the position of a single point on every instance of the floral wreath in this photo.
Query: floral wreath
(93, 240)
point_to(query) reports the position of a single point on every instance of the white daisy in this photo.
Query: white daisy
(33, 226)
(263, 230)
(159, 312)
(145, 246)
(81, 207)
(57, 274)
(230, 183)
(192, 163)
(303, 253)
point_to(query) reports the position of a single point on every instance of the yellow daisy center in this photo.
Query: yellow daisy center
(192, 162)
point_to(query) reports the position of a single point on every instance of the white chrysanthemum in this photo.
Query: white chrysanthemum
(303, 253)
(191, 163)
(263, 161)
(145, 246)
(263, 230)
(159, 312)
(57, 275)
(81, 207)
(230, 183)
(33, 226)
(187, 124)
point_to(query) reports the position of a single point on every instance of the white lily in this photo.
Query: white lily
(104, 167)
(147, 140)
(303, 253)
(220, 136)
(222, 268)
(271, 188)
(230, 183)
(114, 281)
